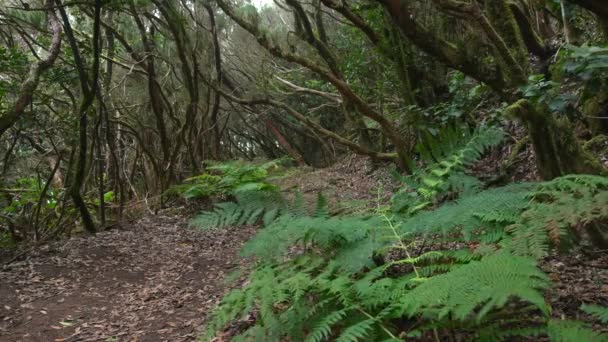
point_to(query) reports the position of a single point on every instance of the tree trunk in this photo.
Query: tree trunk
(89, 88)
(558, 151)
(285, 144)
(79, 175)
(217, 136)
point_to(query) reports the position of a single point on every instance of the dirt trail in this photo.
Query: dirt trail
(155, 280)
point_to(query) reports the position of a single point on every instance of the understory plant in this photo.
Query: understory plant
(466, 269)
(229, 179)
(446, 260)
(446, 157)
(28, 205)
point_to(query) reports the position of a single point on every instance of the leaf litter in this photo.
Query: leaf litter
(153, 280)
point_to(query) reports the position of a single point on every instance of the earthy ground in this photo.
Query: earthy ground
(155, 280)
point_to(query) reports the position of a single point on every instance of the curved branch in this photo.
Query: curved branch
(31, 82)
(472, 11)
(354, 18)
(440, 48)
(313, 125)
(342, 86)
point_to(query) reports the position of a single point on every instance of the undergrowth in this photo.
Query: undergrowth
(229, 179)
(465, 268)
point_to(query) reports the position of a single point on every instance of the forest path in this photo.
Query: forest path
(154, 280)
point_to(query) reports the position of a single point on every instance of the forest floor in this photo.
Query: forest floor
(154, 280)
(158, 280)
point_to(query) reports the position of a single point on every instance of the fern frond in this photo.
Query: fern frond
(250, 207)
(570, 331)
(558, 214)
(323, 328)
(327, 233)
(447, 172)
(321, 207)
(357, 332)
(599, 312)
(473, 215)
(477, 288)
(297, 207)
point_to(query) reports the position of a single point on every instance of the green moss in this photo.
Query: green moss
(558, 151)
(502, 18)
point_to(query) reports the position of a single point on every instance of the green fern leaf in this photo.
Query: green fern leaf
(478, 287)
(600, 312)
(323, 328)
(357, 332)
(572, 331)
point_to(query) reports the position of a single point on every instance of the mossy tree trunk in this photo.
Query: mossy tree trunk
(558, 151)
(89, 88)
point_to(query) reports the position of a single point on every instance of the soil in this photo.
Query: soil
(154, 280)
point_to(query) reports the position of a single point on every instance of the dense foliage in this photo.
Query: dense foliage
(465, 268)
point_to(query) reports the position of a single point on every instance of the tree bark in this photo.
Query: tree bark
(31, 82)
(285, 144)
(89, 88)
(558, 151)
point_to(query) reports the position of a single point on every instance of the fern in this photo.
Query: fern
(527, 218)
(570, 331)
(258, 203)
(357, 332)
(351, 278)
(250, 207)
(229, 178)
(321, 208)
(323, 328)
(560, 211)
(478, 288)
(473, 216)
(327, 233)
(599, 312)
(297, 207)
(451, 153)
(202, 186)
